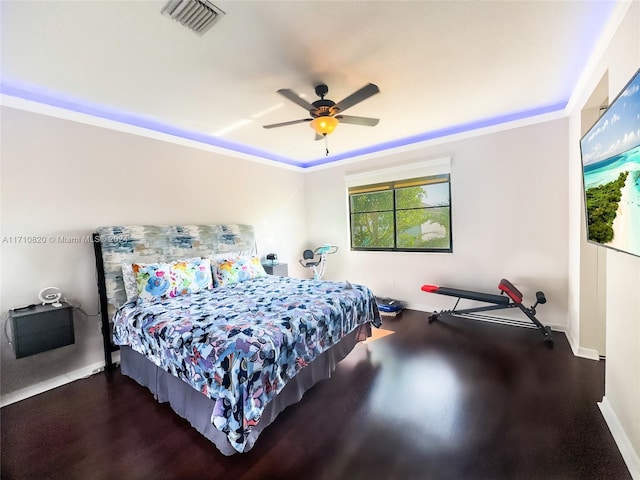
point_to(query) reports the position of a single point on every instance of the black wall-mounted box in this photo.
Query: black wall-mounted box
(41, 328)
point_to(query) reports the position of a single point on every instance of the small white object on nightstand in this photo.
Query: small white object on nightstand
(51, 296)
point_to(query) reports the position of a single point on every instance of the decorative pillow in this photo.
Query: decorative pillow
(130, 282)
(129, 279)
(234, 269)
(166, 280)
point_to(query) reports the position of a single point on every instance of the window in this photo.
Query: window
(411, 215)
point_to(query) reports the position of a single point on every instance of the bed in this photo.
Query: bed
(234, 347)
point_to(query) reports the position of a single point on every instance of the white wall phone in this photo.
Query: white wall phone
(50, 295)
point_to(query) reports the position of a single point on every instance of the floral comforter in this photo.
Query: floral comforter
(240, 344)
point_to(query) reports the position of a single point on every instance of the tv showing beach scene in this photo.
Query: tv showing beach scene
(611, 173)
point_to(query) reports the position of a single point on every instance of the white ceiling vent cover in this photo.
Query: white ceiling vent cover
(198, 15)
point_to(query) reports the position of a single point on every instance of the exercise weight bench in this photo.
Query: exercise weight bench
(510, 297)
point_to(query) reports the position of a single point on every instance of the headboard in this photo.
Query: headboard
(116, 245)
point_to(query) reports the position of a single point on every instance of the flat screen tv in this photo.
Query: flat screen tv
(611, 173)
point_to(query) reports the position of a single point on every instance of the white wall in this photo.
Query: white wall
(509, 211)
(618, 60)
(59, 177)
(622, 383)
(590, 339)
(622, 388)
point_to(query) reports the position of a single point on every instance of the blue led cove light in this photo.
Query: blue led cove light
(74, 105)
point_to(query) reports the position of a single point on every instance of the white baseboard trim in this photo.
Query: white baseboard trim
(573, 343)
(629, 455)
(55, 382)
(588, 353)
(578, 351)
(419, 307)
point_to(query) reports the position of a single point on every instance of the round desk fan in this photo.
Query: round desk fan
(50, 296)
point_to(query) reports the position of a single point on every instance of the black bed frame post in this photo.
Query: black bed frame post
(104, 315)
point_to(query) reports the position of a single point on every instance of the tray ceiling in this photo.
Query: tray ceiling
(442, 67)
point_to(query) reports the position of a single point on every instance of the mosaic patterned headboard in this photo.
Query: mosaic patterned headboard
(116, 245)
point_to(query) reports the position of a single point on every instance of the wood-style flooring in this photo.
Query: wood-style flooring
(456, 399)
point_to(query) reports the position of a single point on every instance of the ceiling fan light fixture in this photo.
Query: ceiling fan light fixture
(324, 125)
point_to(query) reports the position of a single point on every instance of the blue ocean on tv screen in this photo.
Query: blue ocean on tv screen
(608, 170)
(626, 225)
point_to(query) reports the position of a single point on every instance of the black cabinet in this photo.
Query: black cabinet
(279, 269)
(41, 328)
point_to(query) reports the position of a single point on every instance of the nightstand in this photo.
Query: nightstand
(41, 328)
(279, 269)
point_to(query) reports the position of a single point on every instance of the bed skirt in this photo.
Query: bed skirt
(197, 408)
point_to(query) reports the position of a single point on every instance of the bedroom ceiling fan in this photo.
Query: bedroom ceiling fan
(325, 114)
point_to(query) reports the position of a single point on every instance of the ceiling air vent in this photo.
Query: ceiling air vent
(198, 15)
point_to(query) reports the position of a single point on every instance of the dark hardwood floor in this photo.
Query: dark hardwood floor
(456, 399)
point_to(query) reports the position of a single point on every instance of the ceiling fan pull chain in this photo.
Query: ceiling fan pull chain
(326, 146)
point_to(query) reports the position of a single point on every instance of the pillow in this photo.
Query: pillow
(130, 282)
(159, 281)
(129, 279)
(234, 269)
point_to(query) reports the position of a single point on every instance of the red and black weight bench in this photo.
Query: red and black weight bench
(510, 297)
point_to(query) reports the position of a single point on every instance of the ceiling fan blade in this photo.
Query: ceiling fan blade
(366, 121)
(284, 124)
(295, 98)
(362, 94)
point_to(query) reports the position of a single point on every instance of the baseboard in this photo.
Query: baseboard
(55, 382)
(420, 307)
(578, 351)
(588, 353)
(629, 455)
